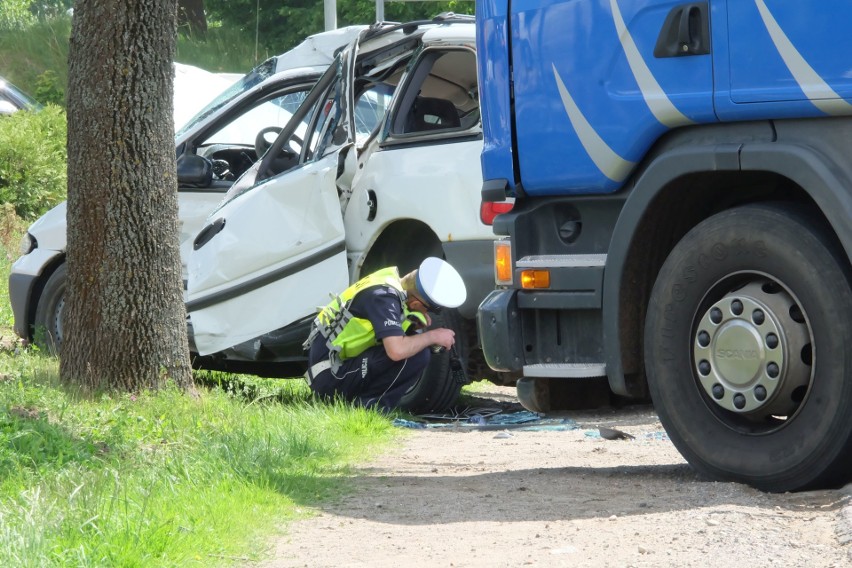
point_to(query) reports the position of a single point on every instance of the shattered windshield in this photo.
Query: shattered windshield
(248, 81)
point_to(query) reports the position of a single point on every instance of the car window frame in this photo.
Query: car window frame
(420, 68)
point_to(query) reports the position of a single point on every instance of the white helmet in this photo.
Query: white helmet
(440, 284)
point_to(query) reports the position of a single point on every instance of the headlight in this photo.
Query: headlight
(28, 243)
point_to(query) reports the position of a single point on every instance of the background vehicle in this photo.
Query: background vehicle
(377, 168)
(681, 224)
(224, 132)
(12, 99)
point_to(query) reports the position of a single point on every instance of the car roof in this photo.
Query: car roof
(317, 50)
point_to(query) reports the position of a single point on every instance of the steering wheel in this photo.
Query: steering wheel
(262, 142)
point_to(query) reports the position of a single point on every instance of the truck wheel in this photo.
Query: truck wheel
(441, 382)
(47, 325)
(746, 349)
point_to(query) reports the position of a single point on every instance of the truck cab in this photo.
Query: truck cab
(680, 231)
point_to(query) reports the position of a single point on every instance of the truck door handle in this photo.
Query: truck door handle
(686, 31)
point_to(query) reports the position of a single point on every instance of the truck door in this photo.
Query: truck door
(596, 83)
(274, 251)
(778, 66)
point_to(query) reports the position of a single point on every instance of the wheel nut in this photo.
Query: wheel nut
(703, 339)
(739, 401)
(771, 340)
(736, 307)
(760, 392)
(716, 315)
(718, 391)
(772, 370)
(758, 317)
(704, 367)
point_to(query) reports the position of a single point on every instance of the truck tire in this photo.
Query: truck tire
(47, 324)
(746, 349)
(441, 382)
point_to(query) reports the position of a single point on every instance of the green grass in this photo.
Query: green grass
(162, 478)
(26, 54)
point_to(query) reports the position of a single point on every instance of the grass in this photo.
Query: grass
(27, 54)
(161, 478)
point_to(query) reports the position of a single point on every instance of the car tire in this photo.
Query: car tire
(441, 382)
(47, 325)
(746, 349)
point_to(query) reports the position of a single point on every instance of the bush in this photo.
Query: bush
(32, 160)
(49, 89)
(15, 14)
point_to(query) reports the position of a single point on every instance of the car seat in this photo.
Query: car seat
(432, 114)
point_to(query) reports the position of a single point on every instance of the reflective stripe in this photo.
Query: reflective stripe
(605, 158)
(316, 369)
(655, 97)
(815, 88)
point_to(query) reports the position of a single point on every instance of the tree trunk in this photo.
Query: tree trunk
(191, 18)
(124, 319)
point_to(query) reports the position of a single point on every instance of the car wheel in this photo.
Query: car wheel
(47, 332)
(441, 382)
(746, 349)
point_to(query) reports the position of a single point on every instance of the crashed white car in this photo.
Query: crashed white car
(386, 173)
(224, 133)
(379, 166)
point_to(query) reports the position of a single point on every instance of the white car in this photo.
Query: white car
(379, 166)
(224, 132)
(386, 173)
(12, 99)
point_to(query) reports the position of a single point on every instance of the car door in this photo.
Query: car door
(274, 251)
(229, 142)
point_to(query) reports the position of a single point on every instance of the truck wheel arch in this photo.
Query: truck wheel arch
(809, 177)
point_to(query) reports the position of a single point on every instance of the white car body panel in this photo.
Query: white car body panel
(193, 209)
(282, 222)
(194, 88)
(436, 189)
(32, 264)
(49, 229)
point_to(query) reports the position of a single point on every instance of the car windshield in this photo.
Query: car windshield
(249, 81)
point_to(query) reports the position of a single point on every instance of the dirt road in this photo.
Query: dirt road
(512, 498)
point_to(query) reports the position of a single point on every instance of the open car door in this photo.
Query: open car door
(274, 250)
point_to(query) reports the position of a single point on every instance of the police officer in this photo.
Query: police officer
(370, 344)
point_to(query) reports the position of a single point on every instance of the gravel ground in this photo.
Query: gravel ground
(453, 497)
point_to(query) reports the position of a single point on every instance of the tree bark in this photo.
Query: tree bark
(191, 18)
(124, 319)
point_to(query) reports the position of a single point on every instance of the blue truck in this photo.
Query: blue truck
(682, 183)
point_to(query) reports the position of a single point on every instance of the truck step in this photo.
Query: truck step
(566, 370)
(562, 261)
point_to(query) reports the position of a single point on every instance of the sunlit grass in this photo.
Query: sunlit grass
(161, 479)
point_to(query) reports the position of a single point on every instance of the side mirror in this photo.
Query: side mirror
(194, 171)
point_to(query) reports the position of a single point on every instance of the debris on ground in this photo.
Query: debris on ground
(485, 418)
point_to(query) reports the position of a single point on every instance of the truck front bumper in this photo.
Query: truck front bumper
(499, 323)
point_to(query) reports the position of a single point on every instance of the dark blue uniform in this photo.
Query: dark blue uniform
(371, 379)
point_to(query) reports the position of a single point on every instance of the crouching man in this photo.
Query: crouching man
(370, 344)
